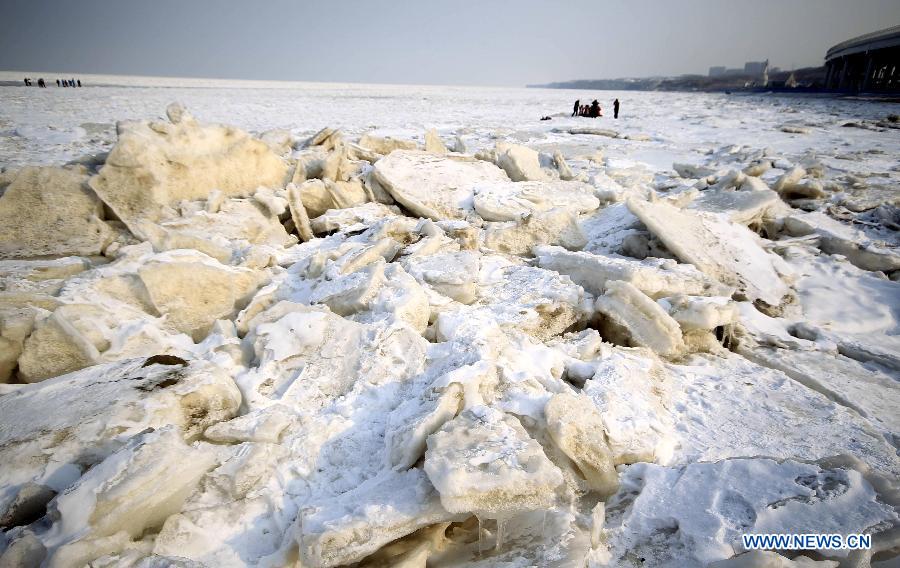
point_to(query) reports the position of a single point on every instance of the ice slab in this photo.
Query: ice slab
(634, 394)
(57, 428)
(656, 277)
(434, 186)
(360, 522)
(721, 249)
(155, 164)
(483, 462)
(51, 212)
(633, 318)
(511, 201)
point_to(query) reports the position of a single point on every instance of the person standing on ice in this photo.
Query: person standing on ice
(595, 109)
(616, 108)
(576, 107)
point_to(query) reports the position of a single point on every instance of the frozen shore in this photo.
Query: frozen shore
(440, 332)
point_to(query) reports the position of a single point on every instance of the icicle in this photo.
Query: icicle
(498, 541)
(479, 535)
(544, 525)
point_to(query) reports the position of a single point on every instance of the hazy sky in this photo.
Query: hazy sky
(479, 42)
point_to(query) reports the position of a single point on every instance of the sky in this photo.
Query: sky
(465, 42)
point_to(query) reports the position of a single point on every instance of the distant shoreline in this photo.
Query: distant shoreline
(805, 81)
(777, 91)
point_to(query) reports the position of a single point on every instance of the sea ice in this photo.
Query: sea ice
(520, 163)
(655, 277)
(326, 346)
(634, 394)
(718, 247)
(630, 317)
(552, 227)
(50, 212)
(156, 164)
(511, 201)
(837, 238)
(483, 462)
(696, 514)
(60, 427)
(577, 428)
(433, 186)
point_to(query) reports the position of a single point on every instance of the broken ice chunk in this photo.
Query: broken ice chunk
(693, 313)
(49, 212)
(510, 201)
(868, 391)
(521, 163)
(453, 274)
(154, 165)
(349, 527)
(838, 238)
(728, 406)
(309, 357)
(56, 346)
(415, 419)
(630, 317)
(723, 250)
(361, 216)
(347, 294)
(536, 301)
(607, 228)
(655, 277)
(134, 489)
(260, 425)
(432, 185)
(742, 207)
(433, 142)
(54, 428)
(692, 171)
(384, 145)
(633, 393)
(552, 227)
(193, 290)
(484, 462)
(576, 427)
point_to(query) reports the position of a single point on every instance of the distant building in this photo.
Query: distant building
(717, 71)
(756, 67)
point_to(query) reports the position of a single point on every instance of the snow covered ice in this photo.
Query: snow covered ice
(424, 328)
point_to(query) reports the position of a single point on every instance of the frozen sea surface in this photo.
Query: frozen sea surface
(54, 125)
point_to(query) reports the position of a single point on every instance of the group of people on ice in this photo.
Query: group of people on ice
(593, 110)
(59, 83)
